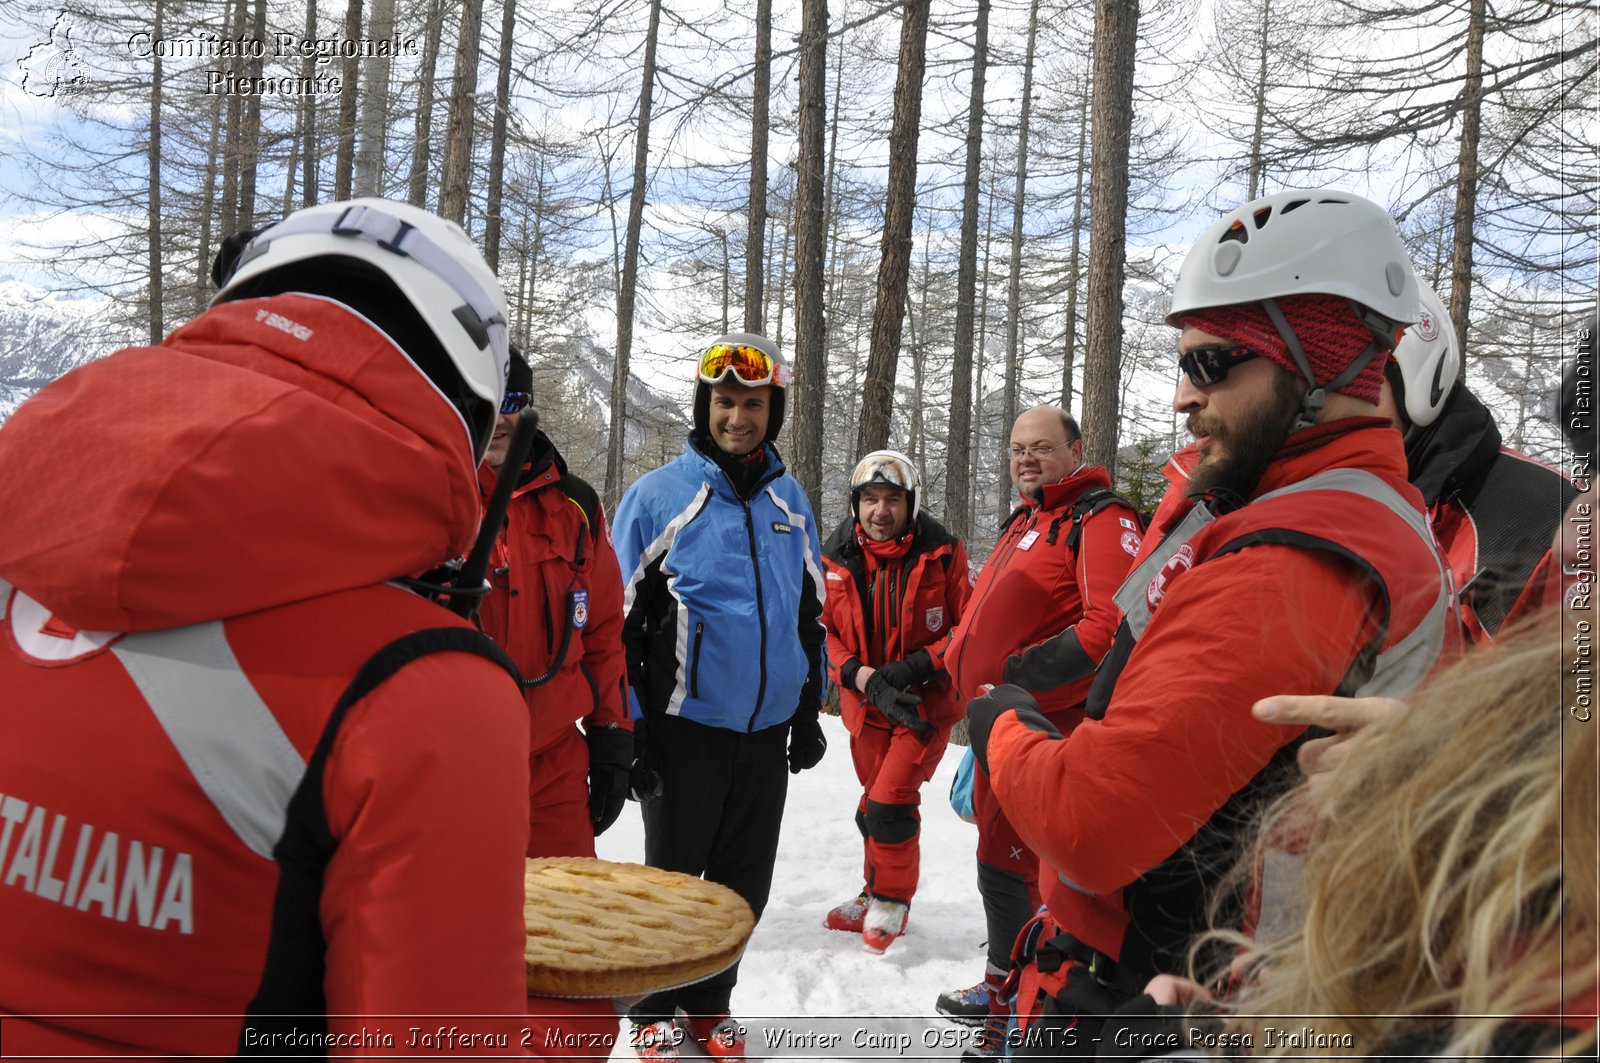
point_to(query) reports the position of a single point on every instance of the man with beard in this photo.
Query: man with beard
(1289, 555)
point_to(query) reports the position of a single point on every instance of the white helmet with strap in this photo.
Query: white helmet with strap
(886, 467)
(1321, 241)
(433, 264)
(1428, 359)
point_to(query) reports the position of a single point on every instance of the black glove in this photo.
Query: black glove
(983, 711)
(896, 704)
(806, 741)
(610, 754)
(644, 781)
(912, 670)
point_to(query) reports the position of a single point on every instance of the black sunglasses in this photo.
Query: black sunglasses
(515, 401)
(1210, 365)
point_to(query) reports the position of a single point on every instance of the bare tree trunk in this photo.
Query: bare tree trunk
(831, 202)
(1116, 28)
(1069, 355)
(229, 218)
(497, 138)
(810, 340)
(783, 282)
(309, 152)
(1019, 199)
(153, 248)
(1257, 165)
(208, 197)
(422, 146)
(958, 494)
(630, 266)
(889, 309)
(727, 281)
(458, 129)
(374, 114)
(983, 346)
(919, 358)
(1467, 175)
(345, 159)
(531, 261)
(251, 137)
(756, 230)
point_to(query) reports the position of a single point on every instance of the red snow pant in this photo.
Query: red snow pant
(892, 764)
(558, 798)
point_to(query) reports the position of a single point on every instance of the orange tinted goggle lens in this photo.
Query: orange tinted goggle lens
(749, 364)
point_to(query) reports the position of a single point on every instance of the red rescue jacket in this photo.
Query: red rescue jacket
(934, 582)
(1043, 605)
(188, 823)
(556, 599)
(1327, 579)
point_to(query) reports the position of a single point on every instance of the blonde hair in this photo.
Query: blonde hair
(1450, 876)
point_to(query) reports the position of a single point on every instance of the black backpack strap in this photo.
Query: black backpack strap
(1087, 505)
(289, 997)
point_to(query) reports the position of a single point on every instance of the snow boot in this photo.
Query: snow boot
(969, 1006)
(719, 1036)
(848, 916)
(657, 1042)
(990, 1043)
(885, 921)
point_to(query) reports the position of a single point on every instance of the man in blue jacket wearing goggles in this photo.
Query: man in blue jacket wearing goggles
(724, 642)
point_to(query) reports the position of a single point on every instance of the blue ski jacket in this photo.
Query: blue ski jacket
(723, 601)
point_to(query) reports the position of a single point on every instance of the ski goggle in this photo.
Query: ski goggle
(515, 401)
(751, 366)
(883, 469)
(1210, 365)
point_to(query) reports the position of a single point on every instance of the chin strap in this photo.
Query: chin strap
(1316, 395)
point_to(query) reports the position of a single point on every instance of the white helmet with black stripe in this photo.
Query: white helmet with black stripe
(415, 275)
(1427, 359)
(886, 467)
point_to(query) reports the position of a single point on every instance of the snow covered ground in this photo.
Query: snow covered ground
(809, 993)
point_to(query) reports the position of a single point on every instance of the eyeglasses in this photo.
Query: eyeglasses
(1210, 365)
(1038, 450)
(515, 401)
(750, 365)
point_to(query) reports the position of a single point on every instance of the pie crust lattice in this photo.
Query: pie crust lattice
(601, 929)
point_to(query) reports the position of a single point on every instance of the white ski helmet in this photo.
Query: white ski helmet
(1428, 359)
(886, 467)
(1321, 241)
(441, 277)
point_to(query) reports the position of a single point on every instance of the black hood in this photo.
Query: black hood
(540, 458)
(1454, 450)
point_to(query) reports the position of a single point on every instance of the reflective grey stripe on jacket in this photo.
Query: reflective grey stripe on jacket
(220, 726)
(1403, 665)
(5, 598)
(1397, 669)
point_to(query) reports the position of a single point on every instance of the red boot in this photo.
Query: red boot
(719, 1036)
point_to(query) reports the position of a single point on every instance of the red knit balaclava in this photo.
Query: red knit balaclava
(1328, 329)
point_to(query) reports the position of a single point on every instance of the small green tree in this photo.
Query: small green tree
(1139, 478)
